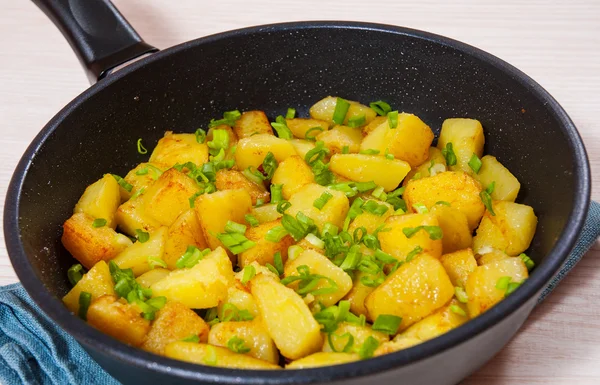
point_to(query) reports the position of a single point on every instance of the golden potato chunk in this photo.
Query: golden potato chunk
(287, 318)
(204, 354)
(466, 136)
(136, 256)
(89, 244)
(97, 282)
(266, 213)
(481, 285)
(398, 343)
(459, 265)
(239, 296)
(359, 335)
(442, 321)
(320, 264)
(398, 245)
(252, 151)
(169, 196)
(378, 121)
(491, 256)
(324, 109)
(457, 188)
(174, 322)
(454, 224)
(119, 320)
(179, 148)
(409, 141)
(252, 123)
(506, 186)
(341, 136)
(387, 173)
(358, 293)
(264, 250)
(253, 333)
(300, 126)
(292, 173)
(214, 210)
(319, 359)
(132, 215)
(200, 287)
(149, 278)
(101, 200)
(415, 290)
(235, 180)
(510, 230)
(434, 164)
(143, 175)
(371, 221)
(233, 139)
(334, 211)
(185, 231)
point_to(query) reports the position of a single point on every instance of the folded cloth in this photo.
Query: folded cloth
(34, 350)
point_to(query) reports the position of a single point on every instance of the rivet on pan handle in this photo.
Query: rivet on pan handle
(100, 36)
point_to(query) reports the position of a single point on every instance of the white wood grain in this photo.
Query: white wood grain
(555, 42)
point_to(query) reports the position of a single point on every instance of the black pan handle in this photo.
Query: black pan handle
(100, 36)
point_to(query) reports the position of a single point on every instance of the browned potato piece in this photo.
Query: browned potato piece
(89, 244)
(266, 213)
(252, 123)
(387, 173)
(398, 245)
(454, 224)
(341, 136)
(292, 173)
(438, 323)
(97, 282)
(240, 296)
(174, 322)
(251, 151)
(235, 180)
(333, 212)
(378, 121)
(179, 148)
(324, 108)
(459, 265)
(415, 290)
(150, 172)
(369, 220)
(466, 136)
(358, 293)
(100, 200)
(302, 146)
(132, 215)
(135, 257)
(149, 278)
(506, 187)
(428, 168)
(214, 210)
(254, 334)
(169, 196)
(264, 250)
(204, 354)
(454, 187)
(359, 335)
(119, 320)
(185, 231)
(300, 126)
(318, 359)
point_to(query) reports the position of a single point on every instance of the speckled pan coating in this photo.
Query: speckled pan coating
(294, 65)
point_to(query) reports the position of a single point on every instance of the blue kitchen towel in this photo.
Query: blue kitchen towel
(34, 350)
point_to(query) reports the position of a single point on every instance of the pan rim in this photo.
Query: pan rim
(98, 341)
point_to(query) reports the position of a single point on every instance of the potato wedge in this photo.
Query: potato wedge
(334, 211)
(324, 108)
(255, 336)
(378, 121)
(466, 136)
(415, 290)
(302, 146)
(239, 296)
(174, 322)
(459, 265)
(185, 231)
(358, 293)
(143, 175)
(119, 320)
(300, 126)
(204, 354)
(506, 186)
(136, 256)
(398, 245)
(235, 180)
(201, 287)
(132, 215)
(454, 224)
(264, 250)
(179, 148)
(150, 277)
(293, 173)
(387, 173)
(252, 151)
(287, 318)
(316, 360)
(252, 123)
(340, 137)
(97, 282)
(89, 244)
(101, 200)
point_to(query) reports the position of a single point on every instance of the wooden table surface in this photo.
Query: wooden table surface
(555, 42)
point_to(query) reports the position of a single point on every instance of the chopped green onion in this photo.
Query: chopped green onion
(329, 228)
(282, 206)
(235, 242)
(193, 338)
(237, 345)
(371, 241)
(253, 175)
(381, 107)
(370, 282)
(259, 202)
(157, 302)
(527, 261)
(369, 152)
(99, 222)
(449, 154)
(341, 109)
(347, 188)
(486, 198)
(352, 258)
(435, 232)
(359, 234)
(347, 347)
(294, 227)
(230, 312)
(355, 210)
(85, 299)
(220, 141)
(278, 262)
(269, 164)
(511, 287)
(387, 323)
(392, 119)
(276, 234)
(140, 147)
(276, 193)
(443, 203)
(357, 121)
(475, 163)
(229, 119)
(461, 294)
(200, 135)
(321, 201)
(315, 241)
(280, 126)
(308, 282)
(142, 236)
(122, 182)
(291, 113)
(211, 316)
(75, 273)
(502, 283)
(233, 227)
(413, 253)
(420, 208)
(379, 193)
(365, 186)
(345, 150)
(210, 358)
(368, 348)
(316, 154)
(252, 221)
(416, 176)
(457, 310)
(311, 130)
(190, 258)
(154, 262)
(389, 156)
(138, 193)
(375, 208)
(384, 257)
(249, 273)
(192, 199)
(323, 175)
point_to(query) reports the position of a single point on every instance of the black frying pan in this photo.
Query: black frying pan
(274, 67)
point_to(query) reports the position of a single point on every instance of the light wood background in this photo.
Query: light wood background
(555, 42)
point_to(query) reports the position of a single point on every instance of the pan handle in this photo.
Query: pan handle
(100, 36)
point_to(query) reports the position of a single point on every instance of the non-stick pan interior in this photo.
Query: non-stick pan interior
(280, 67)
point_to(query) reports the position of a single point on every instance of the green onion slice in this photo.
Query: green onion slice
(341, 109)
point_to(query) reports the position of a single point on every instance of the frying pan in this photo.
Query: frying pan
(274, 67)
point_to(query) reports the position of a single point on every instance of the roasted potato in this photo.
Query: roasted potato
(340, 137)
(179, 148)
(185, 231)
(254, 335)
(264, 250)
(398, 245)
(301, 126)
(316, 360)
(324, 108)
(252, 123)
(459, 265)
(235, 180)
(119, 320)
(442, 321)
(506, 185)
(359, 336)
(333, 212)
(252, 151)
(293, 173)
(210, 355)
(97, 282)
(136, 256)
(466, 136)
(454, 224)
(132, 215)
(387, 173)
(101, 200)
